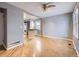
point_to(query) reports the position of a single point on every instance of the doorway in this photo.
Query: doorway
(3, 28)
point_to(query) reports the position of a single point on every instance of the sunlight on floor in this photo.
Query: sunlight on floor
(37, 47)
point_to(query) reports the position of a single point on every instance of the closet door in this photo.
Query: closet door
(1, 28)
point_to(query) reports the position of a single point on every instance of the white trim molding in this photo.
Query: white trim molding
(74, 40)
(57, 37)
(15, 46)
(12, 46)
(75, 49)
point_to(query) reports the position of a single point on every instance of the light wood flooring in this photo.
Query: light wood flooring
(42, 47)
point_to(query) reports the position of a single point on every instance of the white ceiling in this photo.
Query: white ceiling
(28, 16)
(35, 8)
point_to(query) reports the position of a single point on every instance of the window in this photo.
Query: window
(37, 25)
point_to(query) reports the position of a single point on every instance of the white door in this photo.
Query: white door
(1, 28)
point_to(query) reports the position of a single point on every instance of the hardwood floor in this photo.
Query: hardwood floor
(42, 47)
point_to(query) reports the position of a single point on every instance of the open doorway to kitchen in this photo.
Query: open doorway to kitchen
(32, 26)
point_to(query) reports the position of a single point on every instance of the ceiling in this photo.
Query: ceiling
(28, 16)
(35, 8)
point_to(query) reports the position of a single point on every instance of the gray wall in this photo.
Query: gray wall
(14, 24)
(58, 26)
(1, 28)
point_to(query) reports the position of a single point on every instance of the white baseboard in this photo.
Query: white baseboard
(12, 46)
(15, 46)
(75, 49)
(58, 37)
